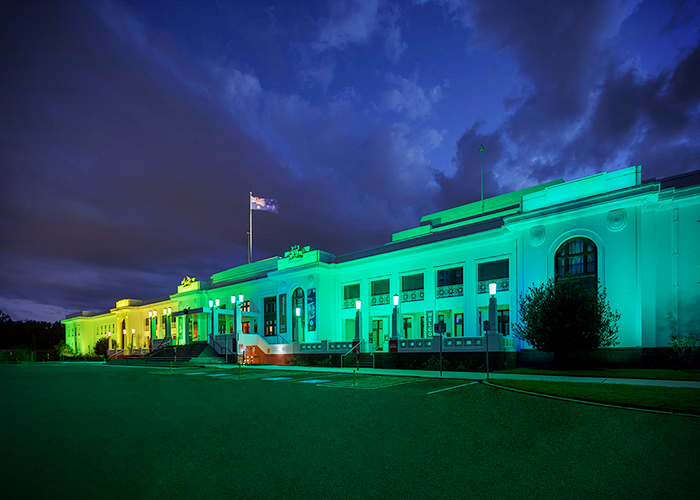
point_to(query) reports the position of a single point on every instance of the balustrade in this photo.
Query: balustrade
(502, 285)
(443, 292)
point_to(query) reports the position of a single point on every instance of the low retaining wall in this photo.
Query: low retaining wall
(475, 361)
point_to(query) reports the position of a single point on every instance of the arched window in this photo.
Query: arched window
(577, 258)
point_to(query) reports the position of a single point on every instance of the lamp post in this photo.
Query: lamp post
(235, 329)
(166, 325)
(109, 342)
(358, 330)
(493, 305)
(235, 301)
(211, 334)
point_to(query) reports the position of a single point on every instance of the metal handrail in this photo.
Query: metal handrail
(162, 346)
(355, 346)
(372, 354)
(225, 348)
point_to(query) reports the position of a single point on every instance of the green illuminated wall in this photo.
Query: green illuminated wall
(648, 242)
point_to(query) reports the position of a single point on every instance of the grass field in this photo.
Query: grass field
(672, 399)
(613, 373)
(95, 431)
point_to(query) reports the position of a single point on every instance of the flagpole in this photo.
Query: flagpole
(481, 150)
(250, 232)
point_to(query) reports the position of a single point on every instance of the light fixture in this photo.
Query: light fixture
(170, 310)
(165, 311)
(298, 311)
(358, 304)
(133, 330)
(217, 302)
(211, 303)
(396, 299)
(233, 299)
(109, 334)
(240, 298)
(492, 288)
(150, 314)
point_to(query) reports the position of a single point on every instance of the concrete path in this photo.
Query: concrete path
(470, 375)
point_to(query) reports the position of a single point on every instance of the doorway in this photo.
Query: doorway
(299, 315)
(377, 333)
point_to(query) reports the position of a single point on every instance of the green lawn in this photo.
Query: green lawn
(614, 373)
(674, 399)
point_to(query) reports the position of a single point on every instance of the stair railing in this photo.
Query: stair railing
(380, 346)
(223, 348)
(162, 346)
(355, 346)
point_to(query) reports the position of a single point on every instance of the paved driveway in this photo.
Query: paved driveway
(112, 432)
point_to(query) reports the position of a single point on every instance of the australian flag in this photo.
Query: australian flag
(263, 204)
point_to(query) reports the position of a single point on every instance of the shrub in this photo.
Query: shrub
(63, 349)
(297, 361)
(327, 363)
(685, 346)
(431, 364)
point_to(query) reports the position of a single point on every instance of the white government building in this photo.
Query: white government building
(641, 239)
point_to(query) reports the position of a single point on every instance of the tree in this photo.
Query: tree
(101, 346)
(63, 349)
(565, 316)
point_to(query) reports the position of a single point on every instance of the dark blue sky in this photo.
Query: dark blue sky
(132, 132)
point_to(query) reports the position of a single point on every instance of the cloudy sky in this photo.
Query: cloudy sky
(132, 132)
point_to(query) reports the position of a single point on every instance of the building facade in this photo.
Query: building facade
(640, 240)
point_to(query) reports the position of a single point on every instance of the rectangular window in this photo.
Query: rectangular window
(351, 292)
(412, 282)
(503, 322)
(245, 306)
(380, 287)
(447, 277)
(270, 307)
(494, 270)
(146, 325)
